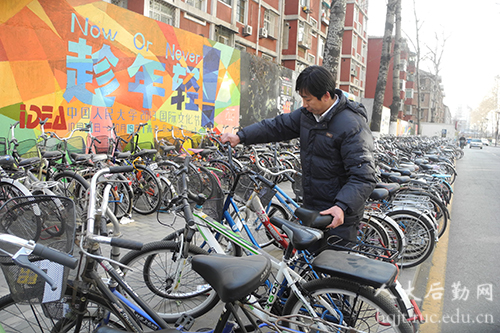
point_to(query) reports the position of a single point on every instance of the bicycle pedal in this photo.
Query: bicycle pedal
(184, 323)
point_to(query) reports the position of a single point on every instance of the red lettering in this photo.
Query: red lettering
(22, 116)
(33, 120)
(60, 120)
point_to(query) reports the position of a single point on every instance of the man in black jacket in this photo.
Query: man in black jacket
(336, 149)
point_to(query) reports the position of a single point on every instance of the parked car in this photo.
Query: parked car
(485, 142)
(476, 143)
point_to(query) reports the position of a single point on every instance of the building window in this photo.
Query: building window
(311, 58)
(314, 23)
(286, 35)
(301, 66)
(322, 43)
(227, 2)
(161, 11)
(354, 44)
(224, 35)
(240, 47)
(241, 11)
(325, 11)
(200, 4)
(304, 35)
(267, 57)
(120, 3)
(271, 22)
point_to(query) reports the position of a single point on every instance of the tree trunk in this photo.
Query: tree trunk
(396, 67)
(333, 45)
(384, 67)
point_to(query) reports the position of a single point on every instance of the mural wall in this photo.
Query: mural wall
(75, 61)
(266, 89)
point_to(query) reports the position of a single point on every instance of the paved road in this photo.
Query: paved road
(462, 287)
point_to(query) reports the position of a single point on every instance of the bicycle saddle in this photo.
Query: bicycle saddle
(312, 218)
(391, 187)
(300, 236)
(379, 194)
(363, 270)
(232, 277)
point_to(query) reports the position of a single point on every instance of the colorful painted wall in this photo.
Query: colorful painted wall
(75, 61)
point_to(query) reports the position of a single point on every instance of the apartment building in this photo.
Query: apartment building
(290, 33)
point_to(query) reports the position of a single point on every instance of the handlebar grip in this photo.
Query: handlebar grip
(126, 243)
(55, 255)
(266, 181)
(120, 169)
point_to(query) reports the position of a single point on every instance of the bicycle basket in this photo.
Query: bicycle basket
(246, 187)
(210, 187)
(47, 220)
(52, 144)
(28, 148)
(145, 145)
(126, 145)
(76, 145)
(104, 146)
(3, 146)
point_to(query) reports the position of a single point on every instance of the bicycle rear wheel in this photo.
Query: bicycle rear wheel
(348, 305)
(146, 188)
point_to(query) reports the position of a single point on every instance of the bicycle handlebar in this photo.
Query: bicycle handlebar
(40, 250)
(266, 170)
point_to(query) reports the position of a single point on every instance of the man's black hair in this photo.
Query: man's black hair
(316, 80)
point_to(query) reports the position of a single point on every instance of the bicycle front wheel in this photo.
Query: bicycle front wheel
(347, 306)
(146, 188)
(166, 281)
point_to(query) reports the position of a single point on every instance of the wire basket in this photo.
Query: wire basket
(28, 148)
(246, 186)
(206, 183)
(3, 146)
(76, 145)
(126, 145)
(51, 144)
(47, 220)
(103, 147)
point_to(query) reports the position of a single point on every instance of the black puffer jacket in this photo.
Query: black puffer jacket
(336, 154)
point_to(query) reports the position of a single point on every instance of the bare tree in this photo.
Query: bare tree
(396, 67)
(435, 56)
(384, 66)
(418, 26)
(333, 45)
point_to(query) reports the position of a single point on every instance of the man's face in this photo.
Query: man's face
(314, 105)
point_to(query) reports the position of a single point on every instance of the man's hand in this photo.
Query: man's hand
(338, 216)
(233, 139)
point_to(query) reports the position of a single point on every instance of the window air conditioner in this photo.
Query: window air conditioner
(263, 32)
(247, 30)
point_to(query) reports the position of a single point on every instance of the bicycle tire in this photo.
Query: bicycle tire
(397, 240)
(10, 188)
(146, 188)
(33, 317)
(371, 232)
(420, 236)
(224, 173)
(150, 278)
(229, 247)
(75, 187)
(362, 308)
